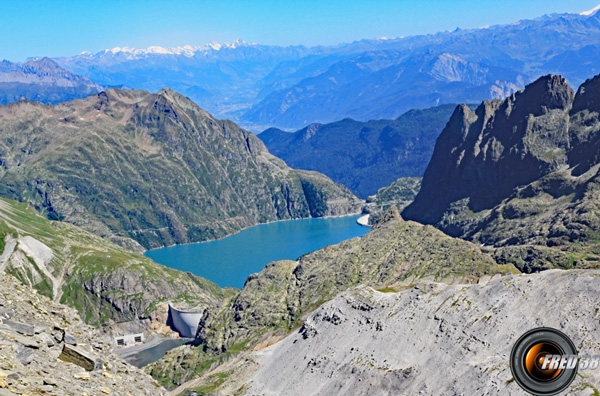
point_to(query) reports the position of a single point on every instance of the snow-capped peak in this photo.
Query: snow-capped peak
(214, 45)
(186, 50)
(590, 12)
(237, 43)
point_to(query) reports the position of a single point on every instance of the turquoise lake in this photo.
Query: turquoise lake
(229, 261)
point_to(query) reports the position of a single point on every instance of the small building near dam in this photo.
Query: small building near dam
(184, 322)
(129, 339)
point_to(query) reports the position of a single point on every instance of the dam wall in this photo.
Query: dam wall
(185, 323)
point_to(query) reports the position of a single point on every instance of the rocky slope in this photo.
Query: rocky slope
(520, 175)
(540, 143)
(106, 283)
(35, 332)
(393, 255)
(433, 339)
(364, 156)
(42, 80)
(148, 170)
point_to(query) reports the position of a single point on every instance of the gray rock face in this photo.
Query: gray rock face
(20, 328)
(433, 339)
(483, 155)
(70, 339)
(25, 355)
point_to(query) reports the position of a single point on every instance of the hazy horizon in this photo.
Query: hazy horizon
(67, 28)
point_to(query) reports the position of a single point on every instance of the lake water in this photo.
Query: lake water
(229, 261)
(154, 353)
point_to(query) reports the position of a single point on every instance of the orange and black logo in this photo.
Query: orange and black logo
(544, 361)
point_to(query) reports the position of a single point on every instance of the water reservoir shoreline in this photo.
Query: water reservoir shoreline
(228, 261)
(252, 226)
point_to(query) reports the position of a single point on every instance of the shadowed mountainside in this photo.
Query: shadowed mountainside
(364, 156)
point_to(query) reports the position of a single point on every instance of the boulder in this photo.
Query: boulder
(76, 356)
(70, 339)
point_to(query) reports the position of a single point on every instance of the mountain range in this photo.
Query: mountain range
(511, 187)
(42, 80)
(364, 156)
(416, 306)
(260, 86)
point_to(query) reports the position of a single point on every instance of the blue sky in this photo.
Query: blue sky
(63, 28)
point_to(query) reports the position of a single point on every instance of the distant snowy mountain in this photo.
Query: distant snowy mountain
(591, 12)
(187, 50)
(290, 87)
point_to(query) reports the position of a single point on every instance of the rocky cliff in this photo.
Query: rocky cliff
(520, 175)
(148, 170)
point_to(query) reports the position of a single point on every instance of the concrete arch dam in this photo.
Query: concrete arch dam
(185, 323)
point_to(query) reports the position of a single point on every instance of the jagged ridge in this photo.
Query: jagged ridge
(521, 175)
